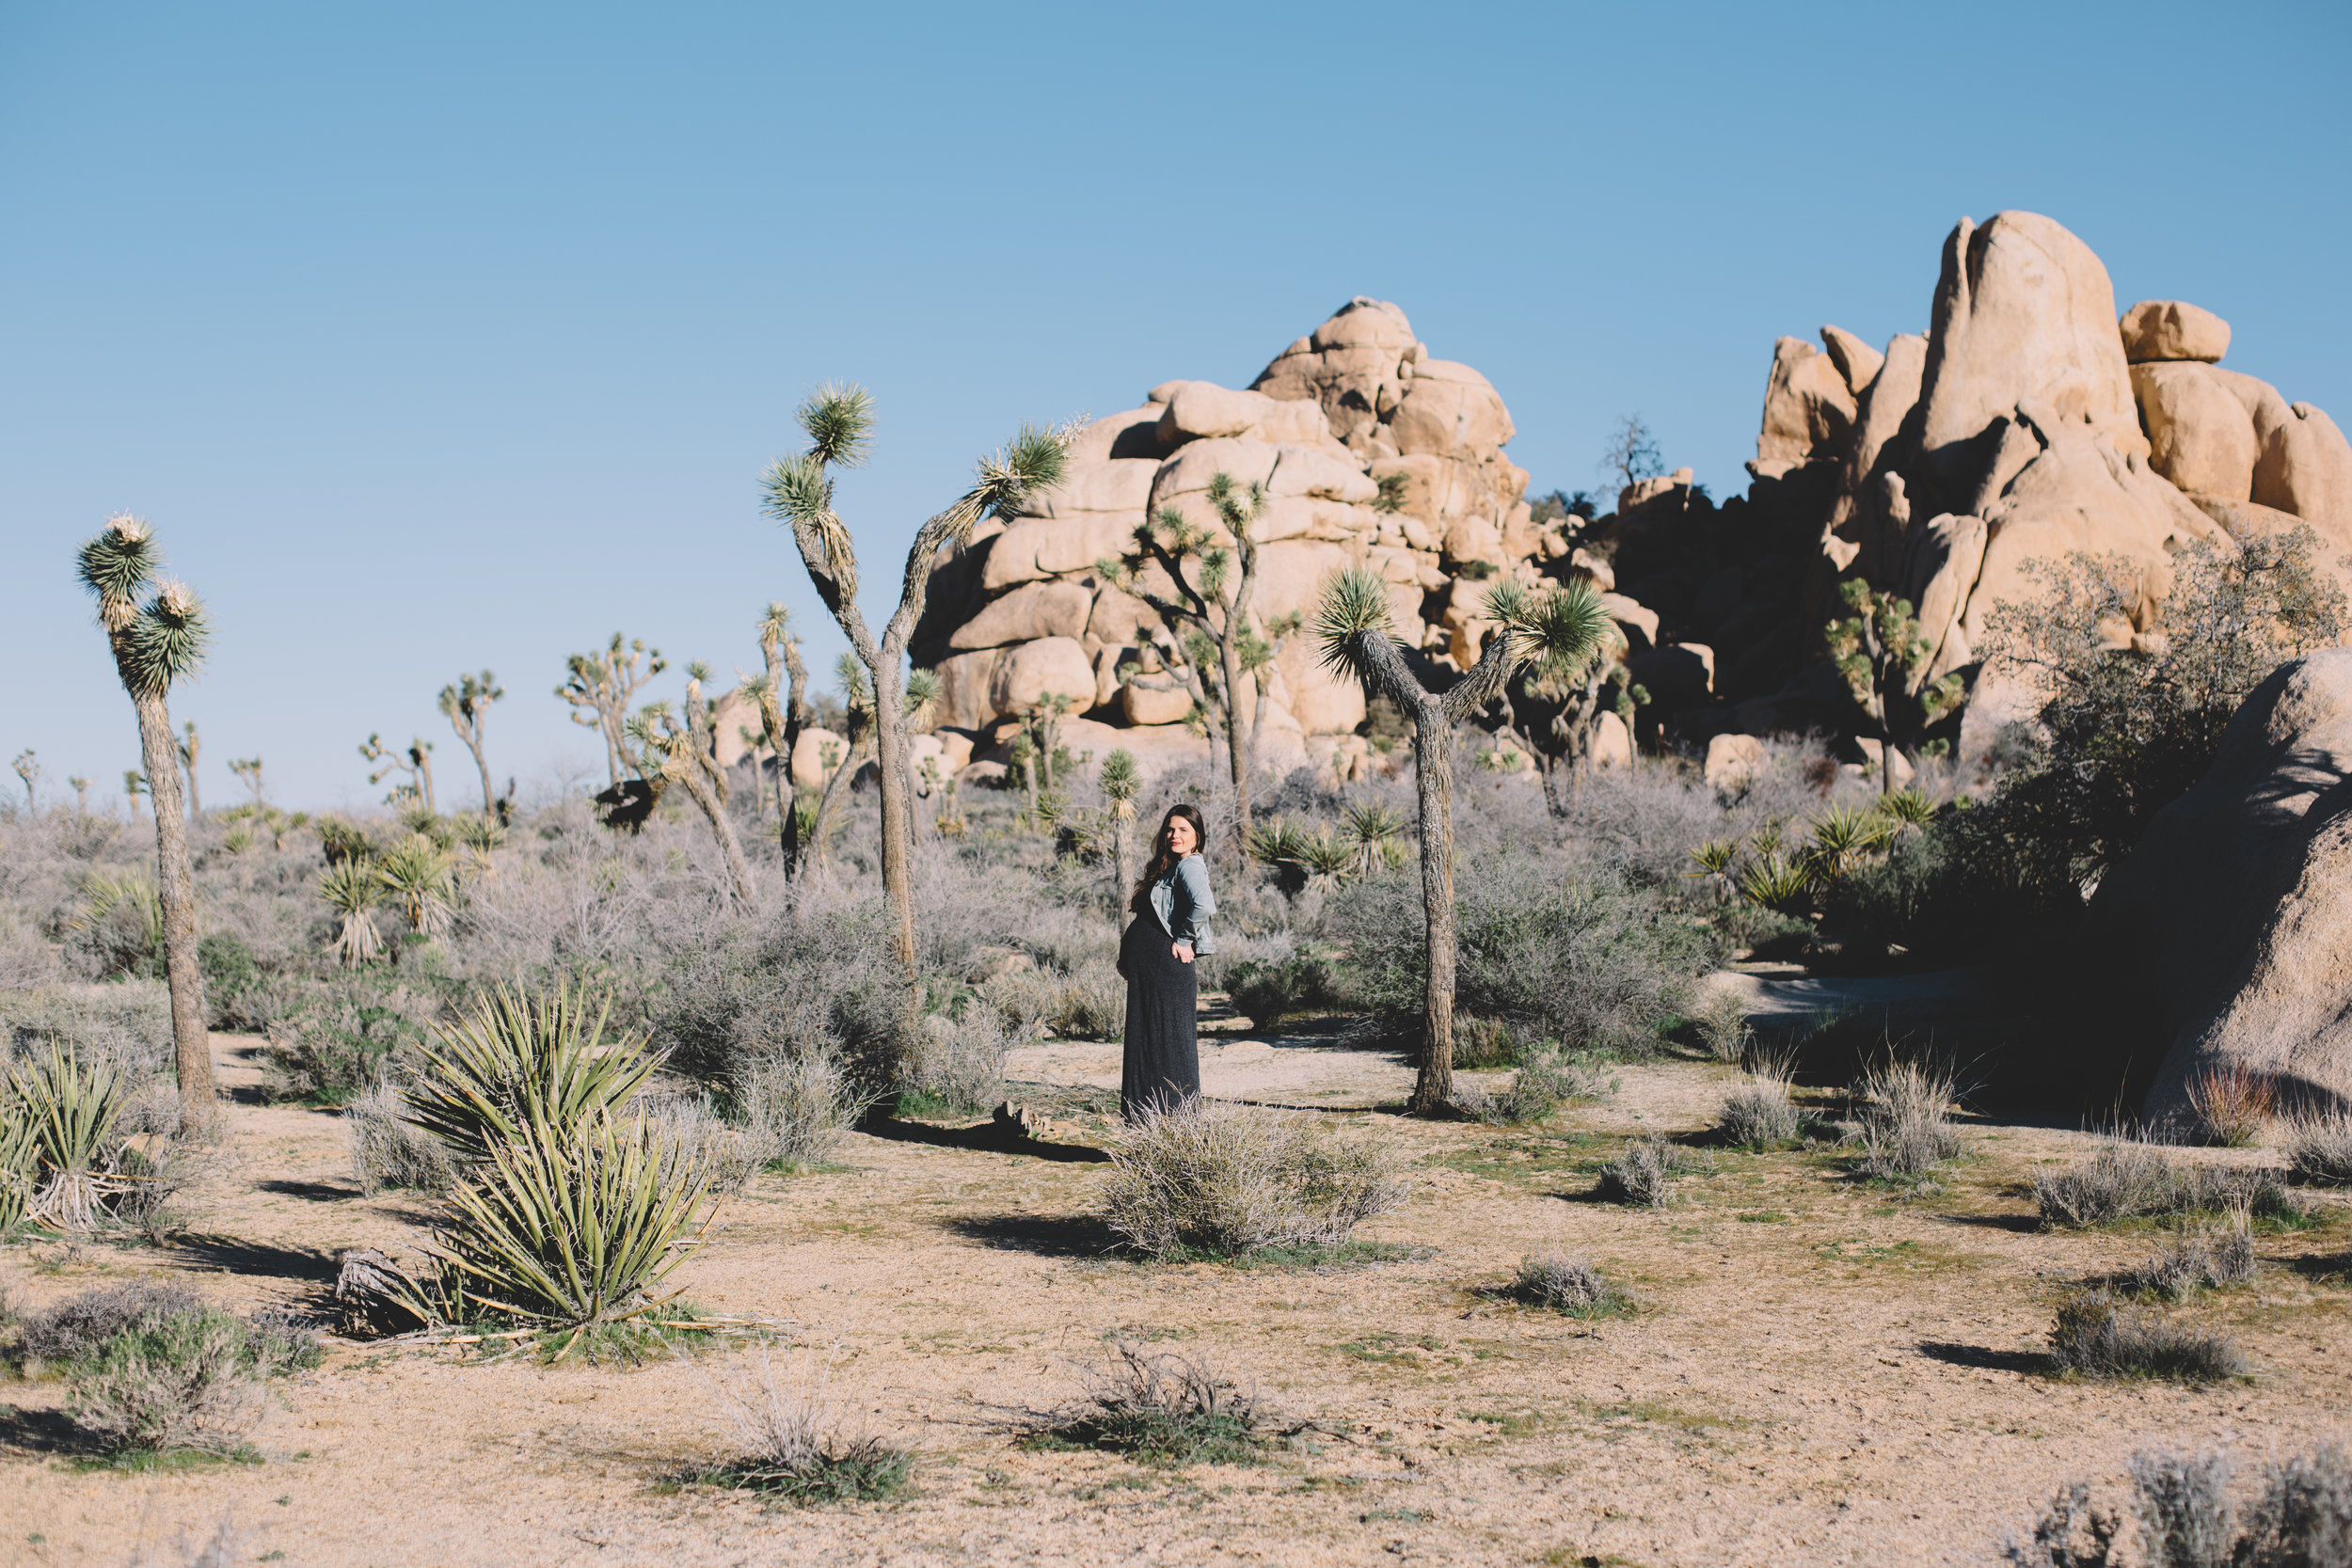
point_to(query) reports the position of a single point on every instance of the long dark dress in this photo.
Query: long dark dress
(1162, 1060)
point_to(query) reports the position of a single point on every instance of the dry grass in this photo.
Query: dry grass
(1904, 1111)
(1642, 1174)
(1758, 1113)
(2215, 1257)
(1570, 1286)
(1219, 1181)
(789, 1448)
(2319, 1149)
(2234, 1103)
(1163, 1409)
(2098, 1337)
(2126, 1181)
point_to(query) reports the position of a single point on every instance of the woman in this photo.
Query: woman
(1172, 905)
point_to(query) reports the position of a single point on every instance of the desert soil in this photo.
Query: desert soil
(1821, 1371)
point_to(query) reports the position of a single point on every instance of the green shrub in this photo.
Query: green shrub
(185, 1382)
(1547, 1078)
(1165, 1409)
(1266, 993)
(2098, 1337)
(1224, 1181)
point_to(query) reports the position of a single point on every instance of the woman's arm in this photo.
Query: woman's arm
(1198, 904)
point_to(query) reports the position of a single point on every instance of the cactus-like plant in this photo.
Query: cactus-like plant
(415, 765)
(1556, 630)
(783, 697)
(352, 888)
(600, 687)
(838, 421)
(249, 769)
(1884, 660)
(81, 794)
(27, 767)
(157, 642)
(1122, 782)
(465, 703)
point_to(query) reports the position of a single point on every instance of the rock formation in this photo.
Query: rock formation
(2236, 911)
(1372, 453)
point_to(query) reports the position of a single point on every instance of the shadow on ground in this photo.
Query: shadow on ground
(1046, 1235)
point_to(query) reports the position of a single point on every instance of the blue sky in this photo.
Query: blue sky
(437, 337)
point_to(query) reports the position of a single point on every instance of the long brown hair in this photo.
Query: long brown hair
(1163, 859)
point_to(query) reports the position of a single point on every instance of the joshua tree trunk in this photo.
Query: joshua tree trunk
(175, 890)
(489, 794)
(1433, 762)
(688, 771)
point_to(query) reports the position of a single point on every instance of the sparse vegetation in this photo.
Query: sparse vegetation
(2098, 1337)
(2299, 1515)
(1224, 1181)
(2319, 1149)
(1642, 1176)
(1757, 1112)
(2124, 1180)
(1905, 1127)
(1569, 1286)
(2210, 1258)
(788, 1447)
(1164, 1408)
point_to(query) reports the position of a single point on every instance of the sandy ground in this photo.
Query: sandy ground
(1821, 1371)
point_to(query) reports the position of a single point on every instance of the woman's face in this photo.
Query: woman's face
(1182, 840)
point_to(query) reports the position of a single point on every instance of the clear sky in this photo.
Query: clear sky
(433, 336)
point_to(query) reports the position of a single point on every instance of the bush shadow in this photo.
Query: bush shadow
(231, 1255)
(985, 1138)
(314, 1192)
(1043, 1235)
(2026, 1362)
(45, 1432)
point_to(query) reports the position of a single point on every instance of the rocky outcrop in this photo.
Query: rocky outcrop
(2234, 914)
(1371, 452)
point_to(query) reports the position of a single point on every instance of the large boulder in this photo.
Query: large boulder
(1808, 407)
(2235, 914)
(2024, 311)
(1027, 675)
(2200, 436)
(2158, 329)
(2306, 468)
(1059, 608)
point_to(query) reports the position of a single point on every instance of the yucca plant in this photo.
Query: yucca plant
(155, 645)
(1327, 859)
(1778, 882)
(1716, 860)
(20, 1164)
(1372, 829)
(1274, 843)
(1562, 629)
(1843, 837)
(513, 1061)
(422, 878)
(353, 888)
(566, 1226)
(1910, 808)
(69, 1109)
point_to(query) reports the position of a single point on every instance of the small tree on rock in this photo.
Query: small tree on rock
(1353, 625)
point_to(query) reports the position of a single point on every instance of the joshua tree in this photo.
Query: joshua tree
(600, 687)
(783, 697)
(1556, 707)
(81, 795)
(1207, 642)
(416, 764)
(465, 704)
(249, 769)
(155, 645)
(687, 759)
(1352, 624)
(1884, 660)
(188, 750)
(134, 786)
(838, 421)
(1121, 784)
(28, 769)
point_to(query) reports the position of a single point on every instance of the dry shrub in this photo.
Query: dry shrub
(1567, 1285)
(2123, 1179)
(693, 1141)
(2214, 1257)
(1905, 1127)
(1548, 1079)
(389, 1151)
(1089, 1005)
(186, 1382)
(2098, 1337)
(1758, 1113)
(2300, 1516)
(1722, 1027)
(960, 1062)
(2234, 1103)
(1165, 1409)
(1222, 1181)
(789, 1448)
(2319, 1149)
(794, 1108)
(1642, 1174)
(76, 1327)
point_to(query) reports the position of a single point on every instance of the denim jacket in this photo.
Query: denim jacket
(1182, 901)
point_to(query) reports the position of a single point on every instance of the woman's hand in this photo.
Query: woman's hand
(1183, 951)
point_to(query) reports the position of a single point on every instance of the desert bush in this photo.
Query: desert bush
(1547, 1078)
(1090, 1004)
(2300, 1516)
(1224, 1181)
(1757, 1112)
(1163, 1409)
(744, 995)
(2124, 1180)
(2319, 1149)
(1642, 1176)
(1578, 957)
(1722, 1021)
(2233, 1105)
(390, 1150)
(2098, 1337)
(75, 1327)
(1569, 1286)
(185, 1381)
(1267, 992)
(1905, 1130)
(2217, 1257)
(695, 1140)
(126, 1026)
(795, 1108)
(789, 1448)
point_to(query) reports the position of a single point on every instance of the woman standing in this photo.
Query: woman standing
(1171, 905)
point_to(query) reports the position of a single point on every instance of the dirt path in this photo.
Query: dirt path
(1821, 1372)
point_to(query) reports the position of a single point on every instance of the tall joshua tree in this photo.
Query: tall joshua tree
(249, 769)
(783, 697)
(189, 747)
(416, 763)
(1121, 784)
(601, 686)
(1352, 624)
(683, 756)
(134, 786)
(154, 644)
(839, 422)
(1211, 643)
(27, 767)
(465, 703)
(81, 795)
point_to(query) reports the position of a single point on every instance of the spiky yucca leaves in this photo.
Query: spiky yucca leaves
(1121, 781)
(421, 878)
(1777, 882)
(352, 888)
(20, 1164)
(1372, 829)
(70, 1109)
(1910, 807)
(1556, 630)
(567, 1225)
(1844, 837)
(513, 1061)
